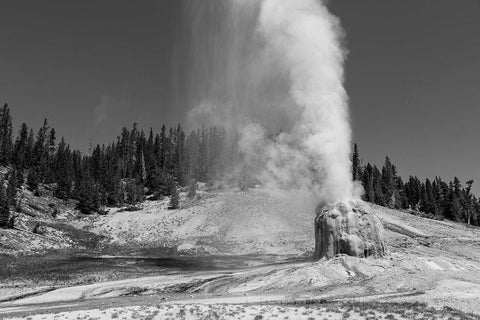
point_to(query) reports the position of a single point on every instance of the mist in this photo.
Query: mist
(272, 72)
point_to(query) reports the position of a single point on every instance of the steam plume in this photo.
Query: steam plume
(275, 75)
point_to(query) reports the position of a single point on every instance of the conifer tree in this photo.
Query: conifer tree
(469, 204)
(12, 188)
(29, 149)
(389, 183)
(6, 143)
(132, 192)
(402, 198)
(377, 187)
(88, 196)
(33, 179)
(20, 148)
(356, 167)
(192, 189)
(50, 157)
(179, 155)
(40, 152)
(4, 206)
(428, 202)
(367, 182)
(174, 198)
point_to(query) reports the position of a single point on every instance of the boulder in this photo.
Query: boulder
(347, 228)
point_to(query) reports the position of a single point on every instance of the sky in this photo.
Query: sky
(94, 66)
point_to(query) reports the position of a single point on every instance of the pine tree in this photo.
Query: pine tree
(402, 198)
(389, 183)
(179, 156)
(149, 157)
(63, 170)
(12, 188)
(202, 161)
(33, 179)
(20, 148)
(192, 190)
(174, 199)
(20, 178)
(468, 205)
(6, 143)
(356, 167)
(429, 204)
(377, 187)
(4, 206)
(88, 196)
(50, 157)
(29, 150)
(141, 171)
(454, 207)
(40, 152)
(131, 190)
(367, 182)
(51, 142)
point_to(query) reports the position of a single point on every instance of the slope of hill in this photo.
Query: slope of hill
(44, 223)
(223, 222)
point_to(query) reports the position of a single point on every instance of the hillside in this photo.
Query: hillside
(217, 222)
(44, 223)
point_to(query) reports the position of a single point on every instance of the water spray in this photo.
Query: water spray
(274, 74)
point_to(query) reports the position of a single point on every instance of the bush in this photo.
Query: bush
(133, 208)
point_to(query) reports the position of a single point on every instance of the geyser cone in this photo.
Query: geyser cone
(348, 228)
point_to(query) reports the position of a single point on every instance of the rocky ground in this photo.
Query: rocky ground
(45, 223)
(431, 264)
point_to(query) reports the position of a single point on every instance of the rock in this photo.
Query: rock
(25, 222)
(346, 228)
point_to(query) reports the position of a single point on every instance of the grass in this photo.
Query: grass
(66, 268)
(377, 310)
(345, 310)
(85, 239)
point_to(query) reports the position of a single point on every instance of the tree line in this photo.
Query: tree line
(140, 164)
(121, 173)
(434, 198)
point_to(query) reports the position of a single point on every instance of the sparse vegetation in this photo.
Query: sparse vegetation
(232, 312)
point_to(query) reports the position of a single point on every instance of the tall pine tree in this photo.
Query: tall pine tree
(6, 143)
(4, 206)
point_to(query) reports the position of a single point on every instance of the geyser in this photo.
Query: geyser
(347, 228)
(272, 72)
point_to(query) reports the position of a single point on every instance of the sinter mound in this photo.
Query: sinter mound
(349, 229)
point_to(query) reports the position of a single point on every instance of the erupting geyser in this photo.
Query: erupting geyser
(271, 71)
